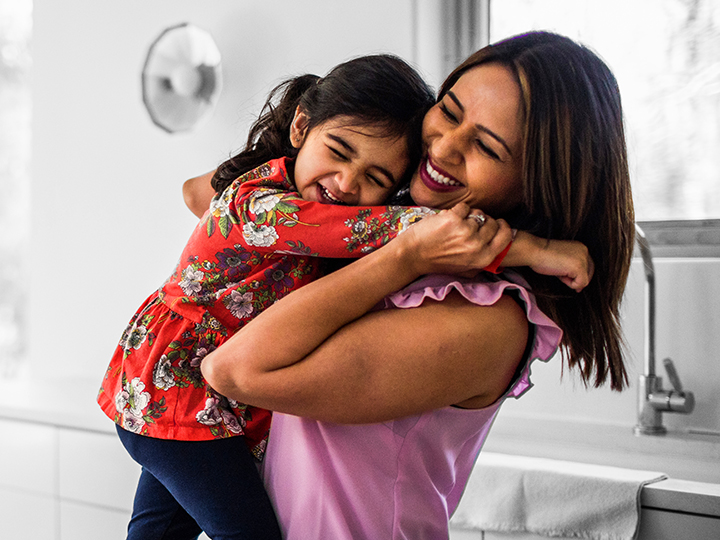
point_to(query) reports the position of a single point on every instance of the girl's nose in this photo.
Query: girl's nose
(347, 182)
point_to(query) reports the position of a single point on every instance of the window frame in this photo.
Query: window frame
(683, 238)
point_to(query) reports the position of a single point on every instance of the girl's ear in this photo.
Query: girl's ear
(298, 128)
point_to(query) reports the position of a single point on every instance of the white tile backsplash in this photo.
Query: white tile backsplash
(86, 522)
(95, 469)
(27, 516)
(28, 457)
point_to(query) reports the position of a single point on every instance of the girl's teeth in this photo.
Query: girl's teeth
(439, 178)
(329, 195)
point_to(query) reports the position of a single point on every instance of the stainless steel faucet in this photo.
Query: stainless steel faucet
(652, 399)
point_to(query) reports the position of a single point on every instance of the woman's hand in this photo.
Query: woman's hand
(197, 193)
(455, 241)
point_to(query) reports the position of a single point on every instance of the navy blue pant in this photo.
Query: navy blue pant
(187, 487)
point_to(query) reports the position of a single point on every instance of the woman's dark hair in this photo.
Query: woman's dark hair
(576, 187)
(380, 90)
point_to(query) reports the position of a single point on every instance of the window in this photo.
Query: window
(666, 57)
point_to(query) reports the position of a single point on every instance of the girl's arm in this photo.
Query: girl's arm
(339, 364)
(568, 260)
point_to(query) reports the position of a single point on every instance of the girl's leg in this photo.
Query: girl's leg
(157, 515)
(216, 482)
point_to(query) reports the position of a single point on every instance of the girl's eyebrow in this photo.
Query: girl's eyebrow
(342, 142)
(386, 173)
(482, 128)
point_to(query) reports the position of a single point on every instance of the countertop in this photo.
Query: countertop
(70, 404)
(682, 496)
(63, 403)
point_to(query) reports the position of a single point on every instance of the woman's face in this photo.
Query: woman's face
(473, 144)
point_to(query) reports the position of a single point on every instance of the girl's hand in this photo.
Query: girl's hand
(454, 241)
(568, 260)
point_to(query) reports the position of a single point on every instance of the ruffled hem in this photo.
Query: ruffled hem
(485, 292)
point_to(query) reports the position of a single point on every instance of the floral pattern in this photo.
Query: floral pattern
(240, 304)
(257, 242)
(260, 236)
(132, 404)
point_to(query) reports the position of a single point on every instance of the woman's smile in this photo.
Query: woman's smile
(436, 179)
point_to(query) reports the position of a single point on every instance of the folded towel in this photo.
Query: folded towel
(552, 498)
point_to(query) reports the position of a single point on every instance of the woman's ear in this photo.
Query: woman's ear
(298, 127)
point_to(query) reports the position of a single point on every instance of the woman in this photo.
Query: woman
(528, 130)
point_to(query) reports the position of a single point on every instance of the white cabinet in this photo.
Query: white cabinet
(59, 483)
(28, 480)
(27, 457)
(671, 510)
(655, 524)
(667, 525)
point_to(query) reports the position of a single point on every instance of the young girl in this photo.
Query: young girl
(363, 118)
(353, 136)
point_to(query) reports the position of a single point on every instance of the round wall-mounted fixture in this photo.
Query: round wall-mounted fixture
(181, 79)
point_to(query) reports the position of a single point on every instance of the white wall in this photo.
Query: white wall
(108, 221)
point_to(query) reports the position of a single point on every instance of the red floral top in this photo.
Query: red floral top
(258, 241)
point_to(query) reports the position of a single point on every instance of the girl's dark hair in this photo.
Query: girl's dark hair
(379, 90)
(576, 187)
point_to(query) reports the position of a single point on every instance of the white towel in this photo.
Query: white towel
(552, 498)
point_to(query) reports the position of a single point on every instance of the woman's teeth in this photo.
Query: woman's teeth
(439, 178)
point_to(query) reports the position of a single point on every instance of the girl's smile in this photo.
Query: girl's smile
(324, 196)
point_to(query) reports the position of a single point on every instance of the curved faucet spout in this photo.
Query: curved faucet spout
(646, 255)
(652, 399)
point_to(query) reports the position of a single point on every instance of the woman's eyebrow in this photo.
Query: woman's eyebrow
(482, 128)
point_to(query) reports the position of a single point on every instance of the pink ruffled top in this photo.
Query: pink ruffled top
(400, 479)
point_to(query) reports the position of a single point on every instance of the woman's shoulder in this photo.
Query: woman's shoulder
(487, 290)
(484, 290)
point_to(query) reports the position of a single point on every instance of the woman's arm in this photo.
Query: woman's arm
(197, 193)
(335, 364)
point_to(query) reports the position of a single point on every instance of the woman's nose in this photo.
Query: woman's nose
(447, 146)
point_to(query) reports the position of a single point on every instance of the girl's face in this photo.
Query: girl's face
(473, 144)
(339, 163)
